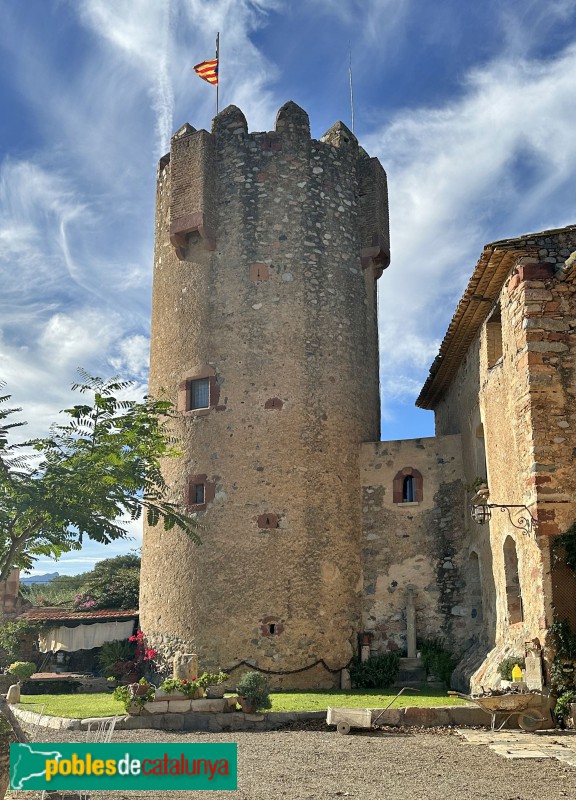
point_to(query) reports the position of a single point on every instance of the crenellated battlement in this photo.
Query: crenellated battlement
(206, 167)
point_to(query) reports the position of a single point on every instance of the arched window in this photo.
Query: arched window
(407, 486)
(513, 588)
(408, 489)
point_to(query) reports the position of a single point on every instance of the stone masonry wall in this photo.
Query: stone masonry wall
(269, 289)
(418, 545)
(526, 404)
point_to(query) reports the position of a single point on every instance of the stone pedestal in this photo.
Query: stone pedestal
(185, 666)
(410, 623)
(13, 694)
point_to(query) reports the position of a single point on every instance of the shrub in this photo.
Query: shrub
(437, 659)
(254, 687)
(211, 679)
(116, 658)
(562, 708)
(189, 688)
(506, 666)
(22, 669)
(377, 672)
(11, 635)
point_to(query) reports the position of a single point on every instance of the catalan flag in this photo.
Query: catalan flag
(208, 71)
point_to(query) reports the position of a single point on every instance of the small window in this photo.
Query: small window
(408, 486)
(408, 489)
(200, 393)
(198, 493)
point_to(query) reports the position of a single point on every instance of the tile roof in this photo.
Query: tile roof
(58, 614)
(495, 264)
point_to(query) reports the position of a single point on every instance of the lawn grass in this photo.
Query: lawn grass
(80, 706)
(359, 698)
(74, 706)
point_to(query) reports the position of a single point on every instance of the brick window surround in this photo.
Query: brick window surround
(271, 626)
(398, 485)
(185, 402)
(191, 492)
(269, 521)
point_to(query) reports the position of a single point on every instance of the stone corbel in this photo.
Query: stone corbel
(377, 256)
(191, 223)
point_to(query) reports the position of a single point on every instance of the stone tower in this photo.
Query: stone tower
(264, 334)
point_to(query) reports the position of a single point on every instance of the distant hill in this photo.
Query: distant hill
(49, 576)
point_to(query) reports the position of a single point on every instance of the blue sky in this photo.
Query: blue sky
(471, 108)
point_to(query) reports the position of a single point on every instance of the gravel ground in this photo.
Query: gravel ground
(317, 764)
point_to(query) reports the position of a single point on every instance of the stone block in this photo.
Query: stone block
(210, 706)
(185, 666)
(157, 707)
(469, 716)
(391, 716)
(179, 706)
(129, 723)
(161, 695)
(426, 717)
(13, 694)
(167, 722)
(198, 722)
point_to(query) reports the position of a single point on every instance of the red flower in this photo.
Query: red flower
(184, 681)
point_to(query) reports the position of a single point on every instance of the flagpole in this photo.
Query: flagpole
(351, 92)
(218, 67)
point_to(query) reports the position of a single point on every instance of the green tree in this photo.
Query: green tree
(113, 583)
(87, 478)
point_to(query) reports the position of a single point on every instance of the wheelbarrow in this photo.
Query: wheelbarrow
(526, 706)
(347, 718)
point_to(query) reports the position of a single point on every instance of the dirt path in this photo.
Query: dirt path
(321, 764)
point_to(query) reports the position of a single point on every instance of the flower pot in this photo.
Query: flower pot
(247, 704)
(215, 692)
(139, 689)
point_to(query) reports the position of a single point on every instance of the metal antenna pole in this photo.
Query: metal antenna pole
(217, 67)
(351, 91)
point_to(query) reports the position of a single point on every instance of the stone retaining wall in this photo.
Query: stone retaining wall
(440, 716)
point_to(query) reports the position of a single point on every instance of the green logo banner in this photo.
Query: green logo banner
(90, 767)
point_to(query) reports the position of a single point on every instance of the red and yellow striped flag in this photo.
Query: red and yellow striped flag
(208, 71)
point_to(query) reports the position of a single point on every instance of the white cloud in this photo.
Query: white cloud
(132, 356)
(142, 33)
(498, 162)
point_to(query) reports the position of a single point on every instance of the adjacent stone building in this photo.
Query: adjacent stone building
(316, 535)
(504, 381)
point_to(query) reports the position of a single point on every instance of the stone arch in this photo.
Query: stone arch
(513, 586)
(474, 588)
(401, 485)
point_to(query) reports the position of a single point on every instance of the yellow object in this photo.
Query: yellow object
(516, 673)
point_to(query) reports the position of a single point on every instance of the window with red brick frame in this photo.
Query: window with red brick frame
(199, 392)
(403, 489)
(199, 492)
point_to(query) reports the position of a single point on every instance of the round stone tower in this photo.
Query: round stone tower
(264, 334)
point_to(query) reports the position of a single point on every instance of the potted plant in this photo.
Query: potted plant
(140, 689)
(135, 696)
(253, 692)
(212, 683)
(180, 689)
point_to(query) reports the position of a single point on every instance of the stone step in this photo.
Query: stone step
(412, 673)
(410, 663)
